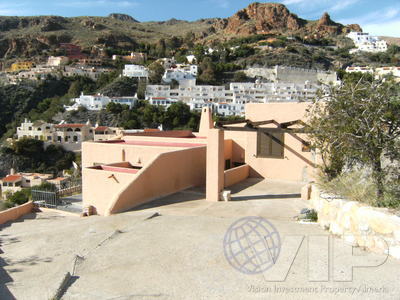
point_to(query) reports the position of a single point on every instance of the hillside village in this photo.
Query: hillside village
(194, 124)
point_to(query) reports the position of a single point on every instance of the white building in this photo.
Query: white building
(360, 70)
(367, 43)
(136, 71)
(99, 102)
(162, 101)
(231, 101)
(184, 74)
(379, 72)
(70, 136)
(56, 61)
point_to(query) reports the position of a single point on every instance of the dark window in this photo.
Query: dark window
(270, 145)
(227, 164)
(4, 183)
(27, 181)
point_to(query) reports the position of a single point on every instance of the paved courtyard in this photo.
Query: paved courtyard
(173, 249)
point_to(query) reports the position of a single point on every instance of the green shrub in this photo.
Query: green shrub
(18, 198)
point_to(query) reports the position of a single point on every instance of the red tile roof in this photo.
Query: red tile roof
(12, 178)
(58, 179)
(101, 128)
(70, 125)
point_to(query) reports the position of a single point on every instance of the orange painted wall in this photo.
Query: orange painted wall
(16, 212)
(236, 175)
(296, 165)
(110, 153)
(99, 188)
(168, 173)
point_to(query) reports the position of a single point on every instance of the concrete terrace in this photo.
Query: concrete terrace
(171, 248)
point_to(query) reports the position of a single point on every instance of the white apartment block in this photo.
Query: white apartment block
(99, 102)
(367, 43)
(231, 101)
(379, 72)
(135, 71)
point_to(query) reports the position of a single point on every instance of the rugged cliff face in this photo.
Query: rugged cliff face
(262, 18)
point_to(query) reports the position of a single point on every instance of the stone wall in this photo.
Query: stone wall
(375, 229)
(15, 213)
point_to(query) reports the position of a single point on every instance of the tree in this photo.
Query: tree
(240, 77)
(177, 116)
(156, 72)
(359, 123)
(122, 86)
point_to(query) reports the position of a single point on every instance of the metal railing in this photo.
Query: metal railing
(53, 198)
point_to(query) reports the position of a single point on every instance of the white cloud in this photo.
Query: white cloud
(391, 28)
(343, 4)
(291, 2)
(382, 22)
(221, 3)
(92, 3)
(14, 10)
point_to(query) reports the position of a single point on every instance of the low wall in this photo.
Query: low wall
(375, 229)
(168, 173)
(236, 175)
(16, 212)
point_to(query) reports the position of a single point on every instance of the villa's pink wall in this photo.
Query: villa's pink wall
(16, 212)
(103, 153)
(168, 173)
(296, 165)
(100, 187)
(236, 175)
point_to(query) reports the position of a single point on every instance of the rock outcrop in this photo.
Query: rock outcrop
(122, 17)
(264, 18)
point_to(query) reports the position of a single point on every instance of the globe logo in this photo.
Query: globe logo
(252, 245)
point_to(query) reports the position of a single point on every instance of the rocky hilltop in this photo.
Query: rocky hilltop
(35, 36)
(263, 18)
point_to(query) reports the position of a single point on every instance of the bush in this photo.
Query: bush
(18, 198)
(359, 186)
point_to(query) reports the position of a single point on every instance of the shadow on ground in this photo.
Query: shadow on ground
(192, 194)
(5, 278)
(265, 197)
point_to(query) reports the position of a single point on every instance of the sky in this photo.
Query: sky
(376, 17)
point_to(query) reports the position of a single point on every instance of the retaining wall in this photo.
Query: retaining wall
(375, 229)
(236, 175)
(16, 212)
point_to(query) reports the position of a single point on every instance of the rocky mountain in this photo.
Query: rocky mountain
(264, 18)
(35, 36)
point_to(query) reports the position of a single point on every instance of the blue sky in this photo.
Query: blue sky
(377, 17)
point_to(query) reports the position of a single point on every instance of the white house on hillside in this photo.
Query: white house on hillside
(136, 71)
(367, 43)
(99, 102)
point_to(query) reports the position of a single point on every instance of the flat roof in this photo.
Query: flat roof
(160, 144)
